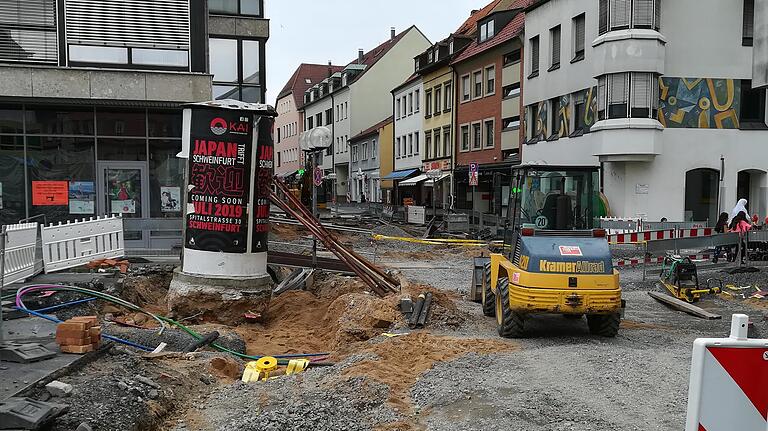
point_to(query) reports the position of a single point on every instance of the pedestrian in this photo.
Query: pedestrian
(741, 205)
(720, 227)
(741, 225)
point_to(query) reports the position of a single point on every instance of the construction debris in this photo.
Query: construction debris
(28, 414)
(103, 264)
(59, 389)
(684, 306)
(79, 335)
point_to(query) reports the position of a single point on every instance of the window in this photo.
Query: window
(554, 36)
(278, 134)
(410, 103)
(410, 144)
(329, 116)
(512, 58)
(397, 108)
(512, 90)
(346, 110)
(748, 27)
(602, 96)
(487, 30)
(319, 119)
(579, 36)
(438, 100)
(579, 111)
(416, 139)
(618, 95)
(627, 95)
(428, 145)
(438, 148)
(623, 14)
(489, 133)
(417, 101)
(365, 151)
(752, 105)
(428, 102)
(374, 151)
(236, 69)
(490, 80)
(534, 44)
(29, 31)
(448, 90)
(354, 153)
(397, 148)
(235, 7)
(641, 95)
(465, 88)
(477, 79)
(310, 123)
(464, 138)
(279, 153)
(477, 134)
(447, 141)
(534, 114)
(511, 123)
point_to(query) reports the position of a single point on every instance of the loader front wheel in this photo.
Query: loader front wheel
(510, 323)
(488, 298)
(604, 325)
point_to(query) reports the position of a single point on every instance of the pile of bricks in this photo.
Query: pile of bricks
(97, 264)
(79, 335)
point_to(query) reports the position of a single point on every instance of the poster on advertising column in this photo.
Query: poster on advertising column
(219, 186)
(264, 173)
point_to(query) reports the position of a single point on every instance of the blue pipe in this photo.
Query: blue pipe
(68, 304)
(109, 337)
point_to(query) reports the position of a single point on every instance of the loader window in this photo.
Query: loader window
(558, 200)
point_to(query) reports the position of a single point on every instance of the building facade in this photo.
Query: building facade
(487, 132)
(408, 146)
(365, 176)
(90, 105)
(668, 112)
(357, 98)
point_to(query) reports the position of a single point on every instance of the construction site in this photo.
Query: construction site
(370, 326)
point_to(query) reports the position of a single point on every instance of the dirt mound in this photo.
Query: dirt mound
(401, 360)
(226, 368)
(147, 289)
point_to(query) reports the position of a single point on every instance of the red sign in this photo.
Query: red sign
(440, 165)
(50, 193)
(570, 250)
(318, 176)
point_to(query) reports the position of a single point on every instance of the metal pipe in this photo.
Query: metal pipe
(3, 234)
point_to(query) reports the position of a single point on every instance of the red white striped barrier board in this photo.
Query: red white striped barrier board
(640, 237)
(656, 260)
(729, 377)
(693, 233)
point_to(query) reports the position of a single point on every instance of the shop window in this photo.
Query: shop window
(752, 106)
(55, 158)
(13, 200)
(11, 119)
(59, 121)
(121, 123)
(165, 124)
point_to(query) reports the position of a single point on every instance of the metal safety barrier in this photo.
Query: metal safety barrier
(79, 242)
(20, 252)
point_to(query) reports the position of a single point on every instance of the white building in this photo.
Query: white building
(358, 97)
(409, 122)
(658, 93)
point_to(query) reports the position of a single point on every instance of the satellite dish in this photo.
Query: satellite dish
(320, 138)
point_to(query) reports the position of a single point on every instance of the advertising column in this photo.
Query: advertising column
(229, 150)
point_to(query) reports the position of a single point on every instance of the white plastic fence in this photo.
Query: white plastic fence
(20, 247)
(79, 242)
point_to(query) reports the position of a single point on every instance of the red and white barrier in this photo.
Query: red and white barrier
(728, 381)
(698, 232)
(657, 260)
(641, 237)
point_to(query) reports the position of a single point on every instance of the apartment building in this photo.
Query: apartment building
(290, 121)
(355, 99)
(90, 97)
(487, 110)
(407, 98)
(365, 162)
(667, 110)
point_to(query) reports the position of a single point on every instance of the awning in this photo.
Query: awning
(287, 174)
(399, 175)
(413, 181)
(442, 177)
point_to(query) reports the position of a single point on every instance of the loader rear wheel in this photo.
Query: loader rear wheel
(604, 325)
(510, 323)
(488, 297)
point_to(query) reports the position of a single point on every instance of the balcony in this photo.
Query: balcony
(627, 139)
(635, 50)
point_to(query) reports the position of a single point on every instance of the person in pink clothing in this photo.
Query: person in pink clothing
(741, 224)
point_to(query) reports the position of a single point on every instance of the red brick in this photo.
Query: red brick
(77, 349)
(69, 326)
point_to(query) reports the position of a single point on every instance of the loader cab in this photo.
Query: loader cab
(554, 198)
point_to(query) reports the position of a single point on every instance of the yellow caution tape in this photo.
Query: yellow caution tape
(434, 241)
(296, 366)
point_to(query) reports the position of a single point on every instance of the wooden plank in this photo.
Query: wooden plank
(683, 306)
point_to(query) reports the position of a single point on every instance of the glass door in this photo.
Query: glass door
(123, 190)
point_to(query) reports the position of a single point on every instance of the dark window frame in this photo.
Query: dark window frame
(262, 66)
(239, 11)
(748, 23)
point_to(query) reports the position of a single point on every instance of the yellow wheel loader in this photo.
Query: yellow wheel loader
(554, 260)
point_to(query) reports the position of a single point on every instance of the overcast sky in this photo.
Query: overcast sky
(312, 31)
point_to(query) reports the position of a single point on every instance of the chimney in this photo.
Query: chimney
(360, 54)
(330, 68)
(392, 33)
(474, 11)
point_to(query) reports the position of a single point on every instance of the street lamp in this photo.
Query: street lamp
(434, 175)
(314, 142)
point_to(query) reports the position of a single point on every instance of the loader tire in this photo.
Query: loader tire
(488, 298)
(510, 323)
(604, 325)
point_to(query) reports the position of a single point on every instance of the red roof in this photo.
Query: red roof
(371, 130)
(298, 84)
(509, 32)
(470, 25)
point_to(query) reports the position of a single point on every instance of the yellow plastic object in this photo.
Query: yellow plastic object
(259, 370)
(296, 366)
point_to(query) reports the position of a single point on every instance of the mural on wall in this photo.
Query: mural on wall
(590, 113)
(699, 103)
(564, 117)
(541, 121)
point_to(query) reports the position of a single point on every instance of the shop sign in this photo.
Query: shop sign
(219, 186)
(50, 193)
(441, 165)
